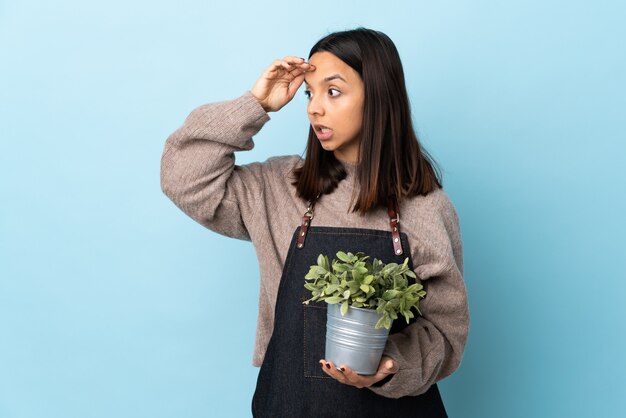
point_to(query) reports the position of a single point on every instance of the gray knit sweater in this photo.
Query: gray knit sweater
(257, 202)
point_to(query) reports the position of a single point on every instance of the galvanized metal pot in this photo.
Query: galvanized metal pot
(352, 340)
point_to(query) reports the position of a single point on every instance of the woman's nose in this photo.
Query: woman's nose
(314, 107)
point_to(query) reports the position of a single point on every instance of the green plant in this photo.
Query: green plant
(355, 281)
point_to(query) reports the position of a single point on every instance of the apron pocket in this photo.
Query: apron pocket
(314, 339)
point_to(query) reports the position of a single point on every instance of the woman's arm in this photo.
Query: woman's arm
(198, 171)
(432, 347)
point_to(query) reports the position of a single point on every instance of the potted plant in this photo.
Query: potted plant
(364, 297)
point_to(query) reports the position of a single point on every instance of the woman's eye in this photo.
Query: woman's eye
(334, 95)
(307, 93)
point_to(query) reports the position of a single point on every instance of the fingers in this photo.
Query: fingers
(291, 58)
(293, 68)
(354, 379)
(359, 381)
(280, 82)
(295, 84)
(295, 61)
(348, 376)
(332, 371)
(293, 65)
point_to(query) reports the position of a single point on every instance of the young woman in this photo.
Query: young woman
(363, 170)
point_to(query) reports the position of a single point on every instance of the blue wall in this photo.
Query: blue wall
(108, 305)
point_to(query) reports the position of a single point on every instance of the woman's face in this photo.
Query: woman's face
(335, 108)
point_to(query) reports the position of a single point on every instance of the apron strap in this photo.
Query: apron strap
(304, 226)
(394, 220)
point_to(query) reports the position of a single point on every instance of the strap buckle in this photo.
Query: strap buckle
(310, 210)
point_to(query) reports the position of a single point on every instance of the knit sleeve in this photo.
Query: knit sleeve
(431, 348)
(198, 171)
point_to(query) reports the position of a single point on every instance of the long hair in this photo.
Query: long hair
(392, 163)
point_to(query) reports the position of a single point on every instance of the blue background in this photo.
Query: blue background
(114, 304)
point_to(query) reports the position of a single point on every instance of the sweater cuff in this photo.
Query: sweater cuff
(398, 384)
(247, 112)
(253, 105)
(394, 387)
(382, 381)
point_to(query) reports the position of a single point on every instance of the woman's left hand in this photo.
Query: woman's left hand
(349, 377)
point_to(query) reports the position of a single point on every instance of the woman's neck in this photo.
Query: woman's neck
(354, 162)
(350, 167)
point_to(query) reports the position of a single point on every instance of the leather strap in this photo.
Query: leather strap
(304, 227)
(394, 220)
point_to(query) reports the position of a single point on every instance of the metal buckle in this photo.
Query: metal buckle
(310, 209)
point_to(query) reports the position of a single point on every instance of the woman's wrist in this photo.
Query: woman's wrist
(260, 101)
(383, 380)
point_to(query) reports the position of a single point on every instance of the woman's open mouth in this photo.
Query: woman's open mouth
(323, 133)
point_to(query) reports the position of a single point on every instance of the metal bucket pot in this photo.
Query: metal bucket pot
(353, 341)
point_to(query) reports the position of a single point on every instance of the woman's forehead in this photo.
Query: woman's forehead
(328, 68)
(328, 79)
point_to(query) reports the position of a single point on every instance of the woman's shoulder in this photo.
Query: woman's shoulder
(284, 163)
(434, 218)
(436, 204)
(436, 199)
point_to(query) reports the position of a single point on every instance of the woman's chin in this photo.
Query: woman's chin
(327, 147)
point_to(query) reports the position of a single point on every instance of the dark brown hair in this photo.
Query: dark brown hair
(392, 161)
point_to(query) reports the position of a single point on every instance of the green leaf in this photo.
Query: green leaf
(387, 323)
(365, 288)
(380, 322)
(334, 299)
(344, 308)
(346, 294)
(320, 271)
(344, 257)
(408, 315)
(361, 269)
(340, 268)
(381, 307)
(331, 288)
(390, 294)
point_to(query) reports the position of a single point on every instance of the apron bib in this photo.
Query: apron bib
(291, 383)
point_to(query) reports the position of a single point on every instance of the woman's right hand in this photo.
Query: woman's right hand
(280, 81)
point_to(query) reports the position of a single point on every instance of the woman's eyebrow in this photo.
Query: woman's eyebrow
(330, 78)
